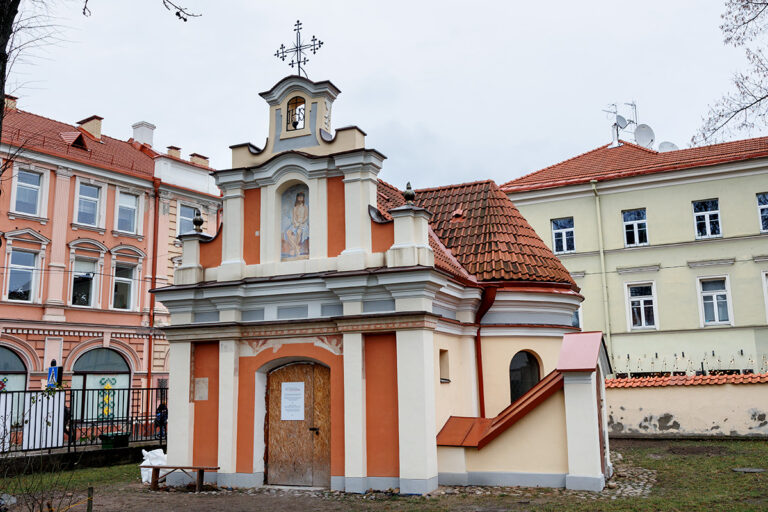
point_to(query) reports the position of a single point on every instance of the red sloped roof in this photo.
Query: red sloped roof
(608, 163)
(480, 233)
(687, 380)
(40, 134)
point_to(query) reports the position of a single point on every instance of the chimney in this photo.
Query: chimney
(143, 132)
(198, 159)
(92, 125)
(174, 151)
(10, 102)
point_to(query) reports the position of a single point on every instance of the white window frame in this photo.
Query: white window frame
(634, 224)
(35, 276)
(139, 224)
(115, 280)
(628, 302)
(100, 209)
(563, 231)
(728, 298)
(707, 216)
(95, 281)
(760, 209)
(42, 201)
(179, 204)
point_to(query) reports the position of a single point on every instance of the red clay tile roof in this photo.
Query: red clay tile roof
(687, 380)
(51, 137)
(607, 163)
(463, 431)
(480, 231)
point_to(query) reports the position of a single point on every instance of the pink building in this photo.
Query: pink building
(86, 221)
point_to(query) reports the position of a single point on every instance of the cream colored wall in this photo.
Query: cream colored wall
(498, 353)
(458, 397)
(535, 444)
(726, 409)
(174, 245)
(672, 246)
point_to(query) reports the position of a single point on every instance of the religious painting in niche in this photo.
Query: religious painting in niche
(294, 223)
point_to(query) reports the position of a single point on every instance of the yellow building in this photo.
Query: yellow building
(670, 250)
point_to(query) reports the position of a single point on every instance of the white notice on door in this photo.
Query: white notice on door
(292, 401)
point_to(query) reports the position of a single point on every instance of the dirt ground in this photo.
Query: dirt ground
(636, 485)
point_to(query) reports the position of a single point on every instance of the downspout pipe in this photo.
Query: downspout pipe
(603, 278)
(486, 301)
(156, 185)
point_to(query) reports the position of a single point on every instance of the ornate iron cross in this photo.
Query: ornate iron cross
(298, 58)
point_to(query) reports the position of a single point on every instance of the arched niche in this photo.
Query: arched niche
(524, 373)
(294, 219)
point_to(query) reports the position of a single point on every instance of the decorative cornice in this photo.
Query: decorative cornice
(635, 270)
(710, 263)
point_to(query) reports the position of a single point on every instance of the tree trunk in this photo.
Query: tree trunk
(8, 11)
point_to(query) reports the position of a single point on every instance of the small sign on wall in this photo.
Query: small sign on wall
(292, 401)
(201, 388)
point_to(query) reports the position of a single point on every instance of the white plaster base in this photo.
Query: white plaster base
(585, 483)
(418, 485)
(177, 479)
(503, 478)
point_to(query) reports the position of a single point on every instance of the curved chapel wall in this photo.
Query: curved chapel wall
(498, 352)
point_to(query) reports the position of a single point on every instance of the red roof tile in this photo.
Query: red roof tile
(608, 163)
(687, 380)
(40, 134)
(482, 232)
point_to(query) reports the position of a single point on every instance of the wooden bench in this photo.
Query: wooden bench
(198, 483)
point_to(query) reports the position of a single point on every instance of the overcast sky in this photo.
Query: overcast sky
(448, 91)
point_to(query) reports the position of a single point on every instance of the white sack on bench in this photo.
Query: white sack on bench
(153, 458)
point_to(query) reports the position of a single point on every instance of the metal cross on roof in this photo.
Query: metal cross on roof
(298, 58)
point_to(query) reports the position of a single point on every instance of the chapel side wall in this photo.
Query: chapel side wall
(498, 353)
(535, 444)
(206, 421)
(458, 397)
(703, 410)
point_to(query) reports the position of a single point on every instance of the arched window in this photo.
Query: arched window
(523, 374)
(13, 372)
(295, 118)
(100, 385)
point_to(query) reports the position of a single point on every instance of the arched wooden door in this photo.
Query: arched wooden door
(299, 425)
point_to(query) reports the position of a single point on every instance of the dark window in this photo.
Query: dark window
(10, 362)
(101, 360)
(635, 227)
(762, 208)
(707, 218)
(295, 117)
(563, 235)
(523, 374)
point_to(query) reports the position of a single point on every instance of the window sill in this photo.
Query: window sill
(711, 237)
(644, 329)
(86, 227)
(22, 302)
(564, 252)
(26, 216)
(126, 234)
(632, 246)
(445, 381)
(717, 324)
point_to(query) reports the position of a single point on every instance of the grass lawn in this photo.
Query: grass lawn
(689, 475)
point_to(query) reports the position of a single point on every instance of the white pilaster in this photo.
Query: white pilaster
(232, 262)
(181, 418)
(582, 424)
(416, 410)
(228, 374)
(355, 461)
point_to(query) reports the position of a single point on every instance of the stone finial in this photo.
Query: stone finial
(197, 221)
(409, 194)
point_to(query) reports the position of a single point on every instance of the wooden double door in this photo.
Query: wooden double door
(299, 425)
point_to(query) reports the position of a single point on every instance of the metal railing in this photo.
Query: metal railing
(77, 418)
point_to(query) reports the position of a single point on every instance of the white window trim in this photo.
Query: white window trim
(134, 285)
(760, 209)
(34, 292)
(728, 297)
(101, 211)
(42, 203)
(139, 231)
(765, 292)
(554, 231)
(628, 306)
(95, 282)
(179, 204)
(707, 214)
(97, 278)
(634, 223)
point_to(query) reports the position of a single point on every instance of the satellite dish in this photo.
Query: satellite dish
(667, 146)
(621, 121)
(644, 135)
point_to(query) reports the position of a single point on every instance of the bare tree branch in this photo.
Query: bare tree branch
(181, 12)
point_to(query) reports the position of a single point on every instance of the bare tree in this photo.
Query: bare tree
(745, 107)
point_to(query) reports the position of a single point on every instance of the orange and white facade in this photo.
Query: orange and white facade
(84, 221)
(336, 331)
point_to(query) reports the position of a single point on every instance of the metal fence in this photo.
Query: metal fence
(76, 418)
